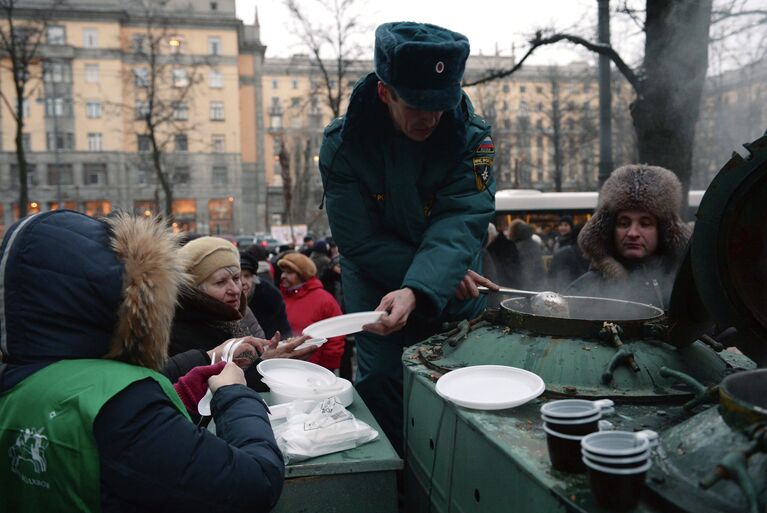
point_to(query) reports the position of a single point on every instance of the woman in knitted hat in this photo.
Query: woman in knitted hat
(87, 423)
(635, 239)
(212, 306)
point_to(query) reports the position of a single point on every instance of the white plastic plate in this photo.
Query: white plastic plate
(296, 373)
(342, 324)
(311, 342)
(490, 387)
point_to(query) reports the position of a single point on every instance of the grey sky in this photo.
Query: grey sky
(487, 23)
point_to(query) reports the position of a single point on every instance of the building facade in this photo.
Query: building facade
(86, 130)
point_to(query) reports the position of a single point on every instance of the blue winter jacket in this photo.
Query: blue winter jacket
(61, 288)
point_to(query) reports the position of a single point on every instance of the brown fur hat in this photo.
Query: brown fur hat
(652, 189)
(154, 272)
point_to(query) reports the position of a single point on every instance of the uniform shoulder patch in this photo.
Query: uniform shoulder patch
(482, 165)
(486, 146)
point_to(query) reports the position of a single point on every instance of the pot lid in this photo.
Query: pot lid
(725, 270)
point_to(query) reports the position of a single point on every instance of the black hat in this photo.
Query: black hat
(248, 262)
(423, 63)
(566, 219)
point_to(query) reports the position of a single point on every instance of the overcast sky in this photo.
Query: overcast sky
(489, 24)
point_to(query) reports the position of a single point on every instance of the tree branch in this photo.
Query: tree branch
(539, 41)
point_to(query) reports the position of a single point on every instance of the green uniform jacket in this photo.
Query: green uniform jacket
(405, 213)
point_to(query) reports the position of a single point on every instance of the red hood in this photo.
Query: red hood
(303, 289)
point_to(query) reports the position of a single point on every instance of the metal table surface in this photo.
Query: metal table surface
(359, 479)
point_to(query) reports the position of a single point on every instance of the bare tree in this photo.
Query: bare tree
(163, 80)
(338, 36)
(669, 82)
(21, 39)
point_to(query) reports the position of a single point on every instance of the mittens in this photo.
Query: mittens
(193, 385)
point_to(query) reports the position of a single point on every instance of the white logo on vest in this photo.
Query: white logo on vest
(30, 447)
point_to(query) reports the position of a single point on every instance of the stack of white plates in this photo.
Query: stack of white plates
(289, 380)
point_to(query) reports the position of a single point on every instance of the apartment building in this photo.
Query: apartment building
(86, 129)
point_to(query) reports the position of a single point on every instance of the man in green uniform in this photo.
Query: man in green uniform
(409, 193)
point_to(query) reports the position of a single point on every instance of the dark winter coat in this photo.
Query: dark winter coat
(75, 287)
(531, 270)
(501, 263)
(405, 213)
(269, 308)
(567, 265)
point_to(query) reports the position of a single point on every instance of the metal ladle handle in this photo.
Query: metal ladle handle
(504, 290)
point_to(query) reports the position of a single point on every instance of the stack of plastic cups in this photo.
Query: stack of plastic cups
(617, 463)
(566, 422)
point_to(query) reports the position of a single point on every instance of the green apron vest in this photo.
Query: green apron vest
(48, 455)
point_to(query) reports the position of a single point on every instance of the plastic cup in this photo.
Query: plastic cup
(572, 409)
(616, 489)
(619, 444)
(564, 450)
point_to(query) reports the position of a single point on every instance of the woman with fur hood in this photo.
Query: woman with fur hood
(87, 423)
(635, 239)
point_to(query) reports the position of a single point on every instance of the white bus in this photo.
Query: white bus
(543, 209)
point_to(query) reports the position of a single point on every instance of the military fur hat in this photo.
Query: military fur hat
(651, 189)
(423, 63)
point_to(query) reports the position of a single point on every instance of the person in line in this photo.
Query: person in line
(263, 298)
(87, 422)
(308, 302)
(409, 190)
(636, 238)
(211, 307)
(565, 235)
(567, 264)
(532, 273)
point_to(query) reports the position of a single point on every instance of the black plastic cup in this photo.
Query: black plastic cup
(578, 427)
(564, 450)
(616, 489)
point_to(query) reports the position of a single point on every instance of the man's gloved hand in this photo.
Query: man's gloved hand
(193, 385)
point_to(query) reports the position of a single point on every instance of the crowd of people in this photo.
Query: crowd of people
(112, 330)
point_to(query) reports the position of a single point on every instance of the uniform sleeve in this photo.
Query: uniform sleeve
(155, 459)
(462, 209)
(360, 236)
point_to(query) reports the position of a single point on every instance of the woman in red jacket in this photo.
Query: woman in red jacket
(308, 302)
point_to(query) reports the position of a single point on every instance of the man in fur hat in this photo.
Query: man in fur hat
(409, 193)
(635, 239)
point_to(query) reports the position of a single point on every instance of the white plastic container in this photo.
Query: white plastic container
(284, 394)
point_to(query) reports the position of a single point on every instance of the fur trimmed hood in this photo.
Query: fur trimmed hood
(636, 187)
(77, 287)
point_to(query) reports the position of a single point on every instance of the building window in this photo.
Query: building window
(32, 178)
(539, 124)
(182, 142)
(507, 124)
(97, 208)
(214, 45)
(94, 174)
(57, 72)
(216, 111)
(184, 215)
(220, 176)
(215, 80)
(141, 77)
(540, 106)
(220, 215)
(90, 38)
(295, 84)
(505, 88)
(176, 44)
(143, 143)
(274, 84)
(180, 111)
(58, 107)
(137, 44)
(60, 174)
(141, 109)
(24, 108)
(539, 89)
(26, 142)
(522, 89)
(93, 109)
(181, 175)
(214, 6)
(218, 143)
(92, 73)
(55, 35)
(94, 141)
(180, 78)
(59, 141)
